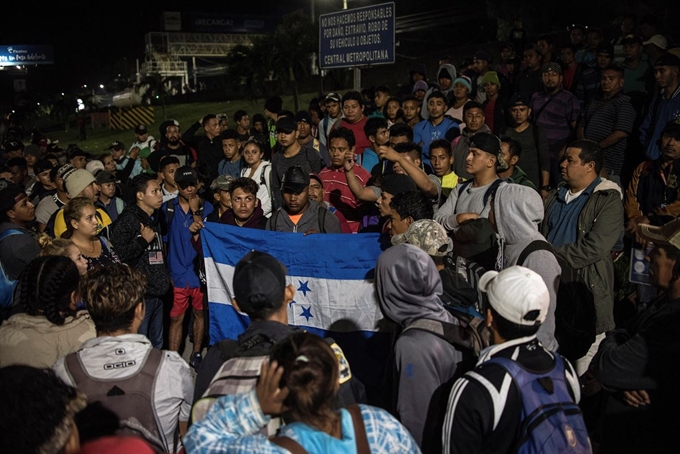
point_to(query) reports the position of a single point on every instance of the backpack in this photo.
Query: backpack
(471, 333)
(359, 433)
(551, 422)
(131, 398)
(475, 239)
(575, 308)
(7, 285)
(460, 280)
(322, 218)
(263, 181)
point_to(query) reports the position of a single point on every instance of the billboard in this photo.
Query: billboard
(16, 55)
(357, 37)
(231, 23)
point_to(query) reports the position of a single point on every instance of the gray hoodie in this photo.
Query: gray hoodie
(518, 211)
(449, 68)
(409, 286)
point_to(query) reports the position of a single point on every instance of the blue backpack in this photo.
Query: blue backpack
(551, 422)
(7, 285)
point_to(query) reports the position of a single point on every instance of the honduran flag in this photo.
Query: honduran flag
(333, 275)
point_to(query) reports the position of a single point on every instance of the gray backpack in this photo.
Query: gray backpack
(131, 398)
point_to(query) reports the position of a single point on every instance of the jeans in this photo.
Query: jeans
(152, 325)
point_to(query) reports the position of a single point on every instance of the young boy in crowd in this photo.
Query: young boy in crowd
(106, 181)
(378, 134)
(231, 164)
(167, 169)
(441, 158)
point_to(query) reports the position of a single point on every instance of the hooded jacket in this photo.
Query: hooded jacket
(599, 225)
(255, 221)
(518, 210)
(308, 221)
(451, 70)
(409, 286)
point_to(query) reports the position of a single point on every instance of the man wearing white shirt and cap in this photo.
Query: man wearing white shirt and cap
(486, 406)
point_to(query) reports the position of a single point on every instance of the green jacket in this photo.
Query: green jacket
(599, 226)
(520, 177)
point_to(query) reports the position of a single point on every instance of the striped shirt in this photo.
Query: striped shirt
(340, 196)
(604, 116)
(555, 114)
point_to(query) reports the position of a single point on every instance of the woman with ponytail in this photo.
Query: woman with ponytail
(62, 247)
(50, 327)
(299, 383)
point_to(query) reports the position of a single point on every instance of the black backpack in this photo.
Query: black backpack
(575, 308)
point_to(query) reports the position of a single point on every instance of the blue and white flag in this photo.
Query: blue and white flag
(333, 275)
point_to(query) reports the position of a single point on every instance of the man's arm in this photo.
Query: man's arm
(612, 139)
(189, 134)
(128, 242)
(622, 361)
(360, 191)
(445, 215)
(417, 175)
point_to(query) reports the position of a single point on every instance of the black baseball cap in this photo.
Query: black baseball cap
(185, 176)
(294, 180)
(487, 142)
(259, 282)
(520, 99)
(141, 129)
(286, 125)
(303, 115)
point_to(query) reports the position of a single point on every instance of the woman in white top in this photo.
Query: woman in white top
(258, 170)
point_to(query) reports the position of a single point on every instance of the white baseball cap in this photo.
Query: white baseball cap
(659, 41)
(515, 292)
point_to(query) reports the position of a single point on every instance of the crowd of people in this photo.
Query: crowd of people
(502, 192)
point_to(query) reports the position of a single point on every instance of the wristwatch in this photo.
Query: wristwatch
(546, 188)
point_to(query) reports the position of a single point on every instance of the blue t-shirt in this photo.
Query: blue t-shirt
(425, 132)
(563, 217)
(181, 253)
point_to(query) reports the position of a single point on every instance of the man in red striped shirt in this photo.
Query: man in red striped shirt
(341, 145)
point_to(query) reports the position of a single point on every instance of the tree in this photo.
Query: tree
(281, 58)
(294, 41)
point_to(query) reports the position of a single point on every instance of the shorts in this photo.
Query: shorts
(180, 300)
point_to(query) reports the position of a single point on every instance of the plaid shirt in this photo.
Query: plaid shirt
(232, 424)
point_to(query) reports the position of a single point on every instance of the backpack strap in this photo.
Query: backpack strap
(169, 211)
(9, 232)
(289, 444)
(453, 334)
(359, 429)
(491, 191)
(536, 245)
(322, 219)
(274, 218)
(120, 205)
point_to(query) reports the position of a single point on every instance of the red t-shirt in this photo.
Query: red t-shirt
(357, 128)
(489, 114)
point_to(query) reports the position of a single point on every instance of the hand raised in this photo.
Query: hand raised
(269, 395)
